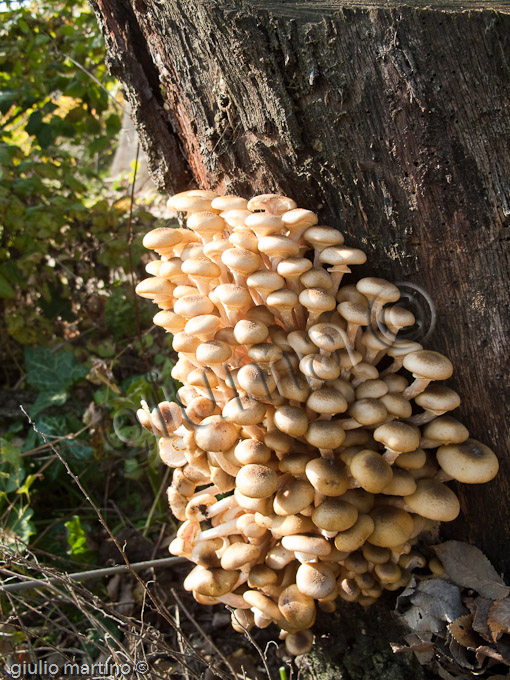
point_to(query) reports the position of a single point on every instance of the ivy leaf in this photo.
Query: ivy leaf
(47, 400)
(34, 123)
(50, 371)
(18, 525)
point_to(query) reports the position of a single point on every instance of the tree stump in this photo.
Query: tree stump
(390, 120)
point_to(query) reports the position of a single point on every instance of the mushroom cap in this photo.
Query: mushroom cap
(354, 313)
(396, 383)
(350, 293)
(260, 313)
(354, 537)
(293, 266)
(252, 451)
(229, 202)
(171, 322)
(316, 580)
(326, 475)
(291, 420)
(161, 238)
(328, 401)
(402, 484)
(216, 434)
(278, 246)
(371, 471)
(392, 526)
(213, 352)
(295, 463)
(446, 429)
(380, 289)
(256, 481)
(256, 381)
(282, 299)
(434, 501)
(323, 237)
(368, 411)
(232, 296)
(299, 217)
(320, 367)
(470, 462)
(238, 555)
(201, 267)
(244, 411)
(290, 525)
(325, 434)
(211, 582)
(397, 405)
(298, 609)
(428, 364)
(265, 281)
(341, 255)
(327, 336)
(263, 603)
(293, 496)
(402, 347)
(275, 204)
(312, 545)
(205, 222)
(398, 436)
(334, 514)
(438, 399)
(264, 224)
(293, 387)
(250, 332)
(317, 300)
(154, 286)
(265, 353)
(316, 278)
(299, 643)
(205, 324)
(241, 260)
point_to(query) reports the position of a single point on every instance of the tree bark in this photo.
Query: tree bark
(391, 121)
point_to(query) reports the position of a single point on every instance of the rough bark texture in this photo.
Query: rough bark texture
(392, 121)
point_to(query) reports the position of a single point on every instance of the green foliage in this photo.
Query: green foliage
(77, 540)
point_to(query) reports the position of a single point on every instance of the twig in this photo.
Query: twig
(179, 637)
(92, 573)
(250, 638)
(202, 632)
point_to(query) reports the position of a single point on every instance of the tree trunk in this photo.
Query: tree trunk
(391, 121)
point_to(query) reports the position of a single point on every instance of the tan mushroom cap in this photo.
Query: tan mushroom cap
(392, 526)
(203, 326)
(320, 367)
(211, 582)
(438, 399)
(260, 313)
(248, 332)
(429, 365)
(317, 300)
(371, 471)
(354, 537)
(256, 381)
(205, 222)
(397, 405)
(312, 545)
(470, 462)
(289, 525)
(323, 237)
(295, 463)
(316, 580)
(325, 434)
(213, 352)
(398, 436)
(341, 255)
(434, 501)
(299, 643)
(378, 289)
(265, 281)
(278, 246)
(263, 603)
(298, 609)
(161, 239)
(282, 299)
(293, 267)
(316, 278)
(200, 267)
(295, 495)
(238, 555)
(328, 337)
(334, 514)
(170, 321)
(446, 429)
(291, 420)
(293, 387)
(233, 296)
(261, 575)
(368, 411)
(216, 434)
(244, 411)
(256, 481)
(193, 305)
(402, 484)
(412, 460)
(154, 287)
(252, 451)
(241, 260)
(327, 476)
(275, 204)
(327, 401)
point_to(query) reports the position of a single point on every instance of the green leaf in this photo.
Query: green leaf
(77, 540)
(19, 525)
(10, 454)
(34, 123)
(6, 290)
(47, 400)
(51, 371)
(26, 486)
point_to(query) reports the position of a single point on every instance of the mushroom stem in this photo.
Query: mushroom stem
(415, 388)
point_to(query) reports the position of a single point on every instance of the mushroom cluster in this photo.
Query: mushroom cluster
(312, 444)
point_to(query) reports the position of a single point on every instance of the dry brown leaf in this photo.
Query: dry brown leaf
(428, 606)
(499, 618)
(485, 652)
(468, 567)
(480, 616)
(462, 631)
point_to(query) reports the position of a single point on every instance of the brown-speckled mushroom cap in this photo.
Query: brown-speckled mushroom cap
(326, 475)
(256, 481)
(434, 501)
(392, 526)
(428, 364)
(216, 434)
(470, 462)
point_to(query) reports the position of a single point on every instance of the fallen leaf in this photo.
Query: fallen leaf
(431, 604)
(481, 614)
(499, 618)
(484, 652)
(462, 631)
(459, 653)
(468, 567)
